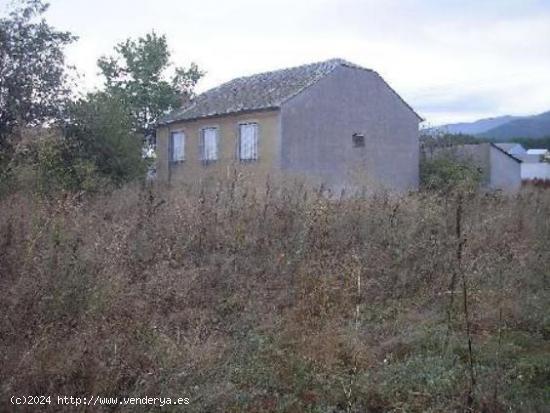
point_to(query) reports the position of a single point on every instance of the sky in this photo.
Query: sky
(451, 60)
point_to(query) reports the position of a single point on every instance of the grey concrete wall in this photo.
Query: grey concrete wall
(505, 171)
(317, 127)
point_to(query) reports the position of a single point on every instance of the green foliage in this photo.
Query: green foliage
(103, 132)
(421, 377)
(99, 133)
(56, 170)
(33, 80)
(429, 143)
(534, 143)
(137, 74)
(96, 150)
(447, 173)
(432, 142)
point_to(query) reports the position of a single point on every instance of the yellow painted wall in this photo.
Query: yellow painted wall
(193, 170)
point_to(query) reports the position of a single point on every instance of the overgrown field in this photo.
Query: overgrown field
(278, 300)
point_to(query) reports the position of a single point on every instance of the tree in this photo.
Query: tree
(33, 76)
(95, 150)
(137, 75)
(448, 173)
(99, 133)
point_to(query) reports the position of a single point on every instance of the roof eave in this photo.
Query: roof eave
(505, 153)
(220, 115)
(420, 118)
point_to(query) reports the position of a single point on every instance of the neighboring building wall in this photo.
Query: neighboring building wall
(318, 125)
(505, 171)
(539, 170)
(193, 170)
(529, 158)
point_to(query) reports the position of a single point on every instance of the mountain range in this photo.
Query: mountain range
(502, 127)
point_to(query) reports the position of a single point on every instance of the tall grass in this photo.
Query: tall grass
(275, 298)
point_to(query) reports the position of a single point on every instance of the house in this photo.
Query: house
(539, 152)
(536, 166)
(334, 122)
(533, 161)
(535, 171)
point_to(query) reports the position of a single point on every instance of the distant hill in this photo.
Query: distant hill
(477, 127)
(502, 127)
(537, 126)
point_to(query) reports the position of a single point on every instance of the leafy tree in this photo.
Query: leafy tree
(99, 133)
(95, 150)
(33, 76)
(431, 142)
(533, 143)
(447, 173)
(137, 75)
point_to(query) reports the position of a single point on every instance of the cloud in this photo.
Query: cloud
(448, 58)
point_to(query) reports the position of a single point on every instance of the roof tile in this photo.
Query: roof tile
(257, 92)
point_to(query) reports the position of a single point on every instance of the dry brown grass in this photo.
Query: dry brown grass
(247, 299)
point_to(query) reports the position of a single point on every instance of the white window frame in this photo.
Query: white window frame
(252, 148)
(203, 155)
(175, 158)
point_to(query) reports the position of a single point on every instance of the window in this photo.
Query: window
(248, 141)
(358, 140)
(177, 146)
(209, 145)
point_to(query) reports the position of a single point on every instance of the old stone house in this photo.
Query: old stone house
(333, 121)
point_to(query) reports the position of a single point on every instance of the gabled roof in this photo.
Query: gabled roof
(504, 151)
(263, 91)
(507, 147)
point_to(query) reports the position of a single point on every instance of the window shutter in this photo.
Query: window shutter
(182, 146)
(217, 143)
(201, 145)
(240, 143)
(248, 142)
(255, 128)
(171, 147)
(209, 144)
(177, 146)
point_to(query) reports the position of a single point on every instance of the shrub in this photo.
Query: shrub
(447, 174)
(247, 299)
(99, 133)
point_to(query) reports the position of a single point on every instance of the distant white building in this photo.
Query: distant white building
(535, 170)
(534, 162)
(529, 158)
(540, 152)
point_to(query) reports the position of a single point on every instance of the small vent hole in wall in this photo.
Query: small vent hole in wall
(358, 140)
